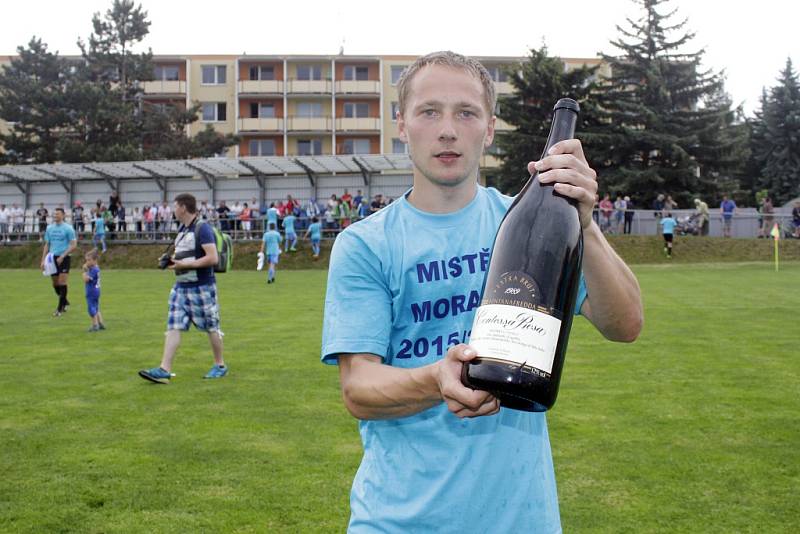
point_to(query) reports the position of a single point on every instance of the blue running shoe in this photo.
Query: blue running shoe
(218, 371)
(156, 374)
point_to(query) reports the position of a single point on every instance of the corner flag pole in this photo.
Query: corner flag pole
(776, 235)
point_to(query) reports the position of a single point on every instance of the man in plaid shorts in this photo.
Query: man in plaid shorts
(193, 299)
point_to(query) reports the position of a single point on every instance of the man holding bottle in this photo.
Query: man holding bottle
(438, 455)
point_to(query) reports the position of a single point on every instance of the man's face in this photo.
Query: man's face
(446, 125)
(58, 216)
(178, 210)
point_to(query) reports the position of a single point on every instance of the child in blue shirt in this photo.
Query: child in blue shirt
(291, 234)
(271, 242)
(668, 225)
(315, 231)
(100, 230)
(91, 277)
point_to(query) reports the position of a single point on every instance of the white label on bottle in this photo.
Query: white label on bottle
(515, 334)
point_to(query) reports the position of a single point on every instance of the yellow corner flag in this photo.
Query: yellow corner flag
(776, 235)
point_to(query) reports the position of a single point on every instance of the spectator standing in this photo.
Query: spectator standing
(60, 241)
(768, 216)
(376, 204)
(204, 211)
(619, 214)
(347, 198)
(312, 209)
(796, 218)
(42, 213)
(658, 209)
(357, 199)
(223, 212)
(701, 212)
(606, 209)
(271, 245)
(343, 213)
(669, 204)
(121, 213)
(629, 213)
(668, 228)
(727, 210)
(91, 279)
(272, 215)
(136, 222)
(244, 217)
(5, 220)
(77, 218)
(18, 220)
(193, 299)
(236, 212)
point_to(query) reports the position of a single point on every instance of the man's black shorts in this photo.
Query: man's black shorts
(668, 238)
(63, 267)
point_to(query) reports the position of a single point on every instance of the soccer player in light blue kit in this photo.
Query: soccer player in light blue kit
(60, 240)
(272, 215)
(291, 234)
(668, 224)
(399, 307)
(271, 245)
(315, 231)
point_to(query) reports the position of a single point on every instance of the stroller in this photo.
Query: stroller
(689, 225)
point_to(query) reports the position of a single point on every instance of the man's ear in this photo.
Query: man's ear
(490, 132)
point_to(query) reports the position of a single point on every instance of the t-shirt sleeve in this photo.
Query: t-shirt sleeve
(358, 302)
(94, 274)
(206, 235)
(582, 294)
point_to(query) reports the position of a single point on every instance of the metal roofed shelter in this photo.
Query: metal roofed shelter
(393, 171)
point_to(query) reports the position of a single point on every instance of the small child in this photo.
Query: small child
(91, 277)
(99, 230)
(668, 228)
(271, 245)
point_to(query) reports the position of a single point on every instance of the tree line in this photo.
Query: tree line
(92, 108)
(659, 123)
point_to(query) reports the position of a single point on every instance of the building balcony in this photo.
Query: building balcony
(503, 88)
(358, 87)
(165, 87)
(310, 124)
(358, 124)
(260, 87)
(310, 87)
(261, 125)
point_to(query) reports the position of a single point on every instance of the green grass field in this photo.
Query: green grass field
(691, 429)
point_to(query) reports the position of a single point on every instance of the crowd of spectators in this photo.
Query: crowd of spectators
(156, 220)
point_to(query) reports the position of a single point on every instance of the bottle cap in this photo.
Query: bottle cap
(567, 103)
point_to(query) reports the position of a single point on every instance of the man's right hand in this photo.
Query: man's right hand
(461, 400)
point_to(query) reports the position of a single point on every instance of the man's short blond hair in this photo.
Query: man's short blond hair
(453, 60)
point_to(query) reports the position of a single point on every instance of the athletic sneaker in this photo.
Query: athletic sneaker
(156, 374)
(101, 326)
(218, 371)
(93, 328)
(57, 313)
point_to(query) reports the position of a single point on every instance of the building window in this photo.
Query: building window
(309, 72)
(262, 147)
(214, 111)
(262, 110)
(395, 110)
(166, 73)
(214, 74)
(498, 74)
(262, 72)
(399, 147)
(355, 72)
(309, 109)
(309, 147)
(354, 110)
(356, 146)
(397, 70)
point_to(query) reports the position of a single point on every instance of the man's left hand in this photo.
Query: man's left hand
(59, 259)
(565, 166)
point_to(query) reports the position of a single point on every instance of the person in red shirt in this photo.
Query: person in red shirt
(606, 209)
(245, 217)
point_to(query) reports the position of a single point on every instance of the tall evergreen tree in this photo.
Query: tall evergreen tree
(33, 96)
(665, 113)
(776, 139)
(538, 84)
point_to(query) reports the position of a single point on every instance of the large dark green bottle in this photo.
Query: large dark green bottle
(521, 328)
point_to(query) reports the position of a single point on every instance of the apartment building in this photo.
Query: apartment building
(300, 105)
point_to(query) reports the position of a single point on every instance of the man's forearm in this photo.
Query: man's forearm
(372, 390)
(614, 298)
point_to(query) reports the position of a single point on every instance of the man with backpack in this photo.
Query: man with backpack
(193, 299)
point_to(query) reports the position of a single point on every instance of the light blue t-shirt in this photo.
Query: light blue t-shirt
(272, 216)
(58, 237)
(316, 231)
(288, 224)
(99, 226)
(272, 241)
(433, 472)
(668, 223)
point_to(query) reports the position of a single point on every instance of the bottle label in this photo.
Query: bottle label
(515, 334)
